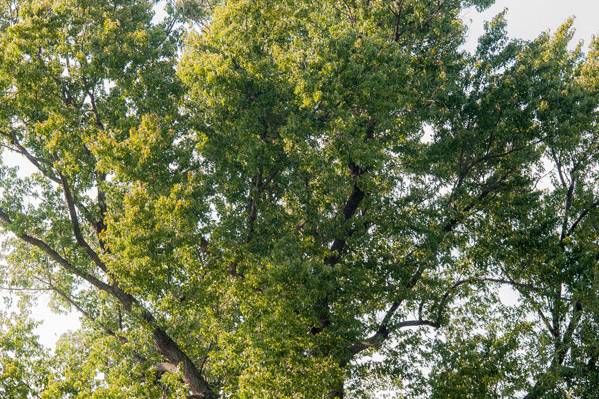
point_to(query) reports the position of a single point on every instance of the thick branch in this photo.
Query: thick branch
(92, 100)
(76, 226)
(337, 247)
(164, 344)
(55, 256)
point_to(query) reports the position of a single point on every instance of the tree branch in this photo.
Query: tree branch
(36, 162)
(580, 218)
(55, 256)
(76, 226)
(164, 344)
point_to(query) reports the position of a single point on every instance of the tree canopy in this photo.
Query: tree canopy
(297, 199)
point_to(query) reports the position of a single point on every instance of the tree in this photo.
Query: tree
(257, 210)
(551, 243)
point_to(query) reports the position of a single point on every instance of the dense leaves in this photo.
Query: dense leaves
(22, 360)
(258, 199)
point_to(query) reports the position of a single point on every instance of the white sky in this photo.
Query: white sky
(526, 19)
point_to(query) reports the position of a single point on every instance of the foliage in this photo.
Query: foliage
(257, 199)
(22, 359)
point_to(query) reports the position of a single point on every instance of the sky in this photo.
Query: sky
(526, 20)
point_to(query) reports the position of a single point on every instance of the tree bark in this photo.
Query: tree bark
(168, 348)
(191, 375)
